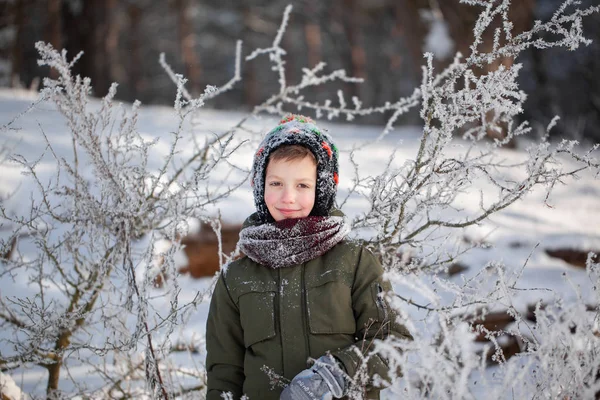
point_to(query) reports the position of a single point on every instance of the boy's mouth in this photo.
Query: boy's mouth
(286, 211)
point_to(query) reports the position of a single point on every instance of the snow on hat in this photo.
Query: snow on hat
(298, 130)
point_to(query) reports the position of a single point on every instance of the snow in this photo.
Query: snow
(437, 40)
(515, 236)
(9, 389)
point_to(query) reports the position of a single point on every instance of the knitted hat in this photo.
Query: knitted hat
(298, 130)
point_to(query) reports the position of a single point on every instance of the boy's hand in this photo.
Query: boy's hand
(323, 381)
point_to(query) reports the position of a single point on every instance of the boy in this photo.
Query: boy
(302, 292)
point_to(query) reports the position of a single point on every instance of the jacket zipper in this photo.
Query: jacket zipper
(305, 312)
(381, 303)
(278, 315)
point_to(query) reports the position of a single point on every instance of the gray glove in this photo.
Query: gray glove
(323, 381)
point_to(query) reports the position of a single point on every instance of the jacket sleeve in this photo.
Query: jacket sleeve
(224, 345)
(375, 319)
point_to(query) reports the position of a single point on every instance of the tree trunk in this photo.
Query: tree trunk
(135, 61)
(357, 56)
(291, 47)
(87, 32)
(250, 86)
(16, 51)
(111, 43)
(312, 35)
(187, 43)
(53, 378)
(410, 26)
(54, 29)
(62, 342)
(103, 17)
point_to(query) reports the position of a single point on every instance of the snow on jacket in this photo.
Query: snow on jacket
(264, 319)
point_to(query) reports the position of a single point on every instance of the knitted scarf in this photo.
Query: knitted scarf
(292, 241)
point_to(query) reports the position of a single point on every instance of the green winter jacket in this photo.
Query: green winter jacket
(273, 320)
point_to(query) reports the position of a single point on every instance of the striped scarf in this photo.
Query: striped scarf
(292, 241)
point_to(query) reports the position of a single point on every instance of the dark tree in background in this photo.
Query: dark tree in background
(381, 41)
(12, 22)
(89, 29)
(564, 83)
(460, 20)
(185, 10)
(53, 33)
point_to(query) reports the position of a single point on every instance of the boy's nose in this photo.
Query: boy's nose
(288, 196)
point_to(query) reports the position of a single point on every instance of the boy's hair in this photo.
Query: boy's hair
(292, 152)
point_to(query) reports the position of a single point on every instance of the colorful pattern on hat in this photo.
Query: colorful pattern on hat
(298, 130)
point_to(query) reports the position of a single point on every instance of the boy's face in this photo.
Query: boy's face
(290, 188)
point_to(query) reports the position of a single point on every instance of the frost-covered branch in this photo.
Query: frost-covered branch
(87, 241)
(415, 205)
(413, 202)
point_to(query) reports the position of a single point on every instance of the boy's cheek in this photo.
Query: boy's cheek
(270, 197)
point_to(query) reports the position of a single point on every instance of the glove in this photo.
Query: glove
(323, 381)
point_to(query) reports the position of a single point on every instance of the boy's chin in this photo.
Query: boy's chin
(283, 216)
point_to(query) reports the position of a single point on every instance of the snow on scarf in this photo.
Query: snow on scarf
(292, 241)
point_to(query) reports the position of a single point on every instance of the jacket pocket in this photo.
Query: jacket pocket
(329, 305)
(257, 316)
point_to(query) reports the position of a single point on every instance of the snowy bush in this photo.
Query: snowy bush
(86, 241)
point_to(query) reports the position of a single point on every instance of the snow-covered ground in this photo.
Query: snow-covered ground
(511, 236)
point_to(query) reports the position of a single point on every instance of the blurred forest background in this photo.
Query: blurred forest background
(381, 41)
